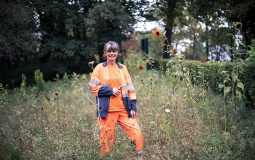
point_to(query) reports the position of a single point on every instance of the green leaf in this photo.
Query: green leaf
(163, 45)
(242, 44)
(229, 34)
(240, 96)
(221, 86)
(174, 84)
(234, 76)
(188, 96)
(228, 48)
(58, 111)
(195, 102)
(240, 85)
(48, 98)
(186, 104)
(226, 90)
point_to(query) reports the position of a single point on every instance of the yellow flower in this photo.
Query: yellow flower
(1, 85)
(181, 56)
(22, 84)
(224, 73)
(238, 25)
(156, 33)
(96, 55)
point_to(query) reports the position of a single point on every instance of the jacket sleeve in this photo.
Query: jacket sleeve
(131, 90)
(95, 85)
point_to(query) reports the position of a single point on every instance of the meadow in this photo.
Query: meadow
(177, 121)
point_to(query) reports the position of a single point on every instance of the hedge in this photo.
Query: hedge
(212, 75)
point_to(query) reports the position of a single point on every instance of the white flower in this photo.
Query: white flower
(167, 110)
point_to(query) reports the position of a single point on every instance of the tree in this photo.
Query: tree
(16, 32)
(79, 29)
(233, 10)
(167, 10)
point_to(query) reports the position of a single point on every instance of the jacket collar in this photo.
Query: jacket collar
(105, 64)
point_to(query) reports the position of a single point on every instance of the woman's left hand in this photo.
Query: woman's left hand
(133, 114)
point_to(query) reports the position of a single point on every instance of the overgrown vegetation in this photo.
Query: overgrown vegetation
(179, 120)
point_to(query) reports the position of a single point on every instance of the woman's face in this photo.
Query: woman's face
(111, 55)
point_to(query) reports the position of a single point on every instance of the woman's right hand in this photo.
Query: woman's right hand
(115, 92)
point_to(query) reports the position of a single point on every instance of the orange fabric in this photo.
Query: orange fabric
(108, 125)
(116, 103)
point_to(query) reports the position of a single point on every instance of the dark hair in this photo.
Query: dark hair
(111, 46)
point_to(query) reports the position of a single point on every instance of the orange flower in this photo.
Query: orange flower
(151, 59)
(175, 51)
(159, 61)
(119, 54)
(130, 46)
(96, 55)
(127, 50)
(144, 63)
(140, 68)
(137, 50)
(156, 33)
(78, 75)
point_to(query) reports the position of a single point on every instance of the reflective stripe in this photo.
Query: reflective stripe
(131, 90)
(104, 85)
(91, 86)
(124, 87)
(129, 82)
(124, 95)
(94, 81)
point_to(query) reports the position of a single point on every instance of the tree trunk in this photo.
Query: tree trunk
(169, 26)
(194, 44)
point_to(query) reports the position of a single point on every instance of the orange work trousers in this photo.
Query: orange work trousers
(108, 125)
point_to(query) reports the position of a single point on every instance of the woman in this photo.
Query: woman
(116, 100)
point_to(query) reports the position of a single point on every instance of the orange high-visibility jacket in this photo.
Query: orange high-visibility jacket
(100, 86)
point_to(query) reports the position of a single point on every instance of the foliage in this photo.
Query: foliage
(65, 78)
(236, 11)
(62, 128)
(17, 39)
(40, 84)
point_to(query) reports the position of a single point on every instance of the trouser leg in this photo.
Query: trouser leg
(130, 126)
(107, 128)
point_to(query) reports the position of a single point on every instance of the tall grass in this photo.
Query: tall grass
(63, 125)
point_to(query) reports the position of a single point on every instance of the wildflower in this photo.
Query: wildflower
(96, 55)
(151, 78)
(175, 51)
(1, 85)
(57, 75)
(144, 63)
(78, 75)
(223, 73)
(41, 92)
(22, 84)
(137, 50)
(180, 61)
(156, 33)
(150, 58)
(3, 88)
(159, 61)
(238, 25)
(140, 68)
(130, 46)
(181, 56)
(167, 110)
(119, 54)
(56, 93)
(126, 50)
